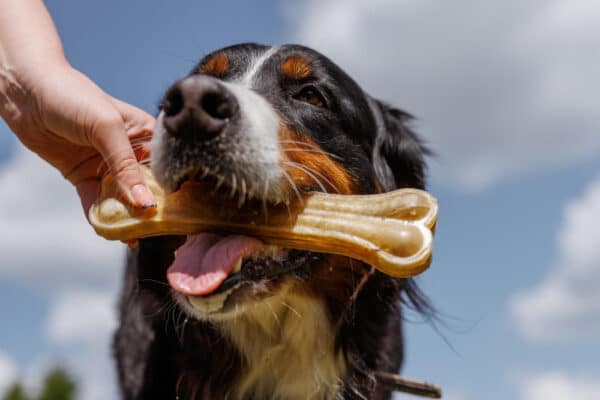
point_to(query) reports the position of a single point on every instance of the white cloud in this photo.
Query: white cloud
(46, 242)
(498, 90)
(8, 372)
(567, 303)
(44, 236)
(79, 329)
(83, 317)
(83, 322)
(559, 386)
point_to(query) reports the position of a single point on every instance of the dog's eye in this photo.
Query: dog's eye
(311, 96)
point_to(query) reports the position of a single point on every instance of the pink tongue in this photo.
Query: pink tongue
(206, 259)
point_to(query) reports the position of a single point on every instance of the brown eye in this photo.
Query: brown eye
(311, 96)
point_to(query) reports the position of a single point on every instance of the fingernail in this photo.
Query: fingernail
(143, 197)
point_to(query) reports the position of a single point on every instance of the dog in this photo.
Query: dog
(267, 124)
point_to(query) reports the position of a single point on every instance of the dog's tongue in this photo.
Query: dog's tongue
(203, 262)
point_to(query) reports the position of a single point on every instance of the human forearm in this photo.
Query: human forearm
(29, 47)
(59, 113)
(27, 35)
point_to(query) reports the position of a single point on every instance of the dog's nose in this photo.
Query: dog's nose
(198, 107)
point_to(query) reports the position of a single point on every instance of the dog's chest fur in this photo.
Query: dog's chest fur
(288, 350)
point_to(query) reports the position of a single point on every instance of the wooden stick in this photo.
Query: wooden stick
(400, 384)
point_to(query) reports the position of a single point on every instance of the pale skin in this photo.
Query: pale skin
(60, 114)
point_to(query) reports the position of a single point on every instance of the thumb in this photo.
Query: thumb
(111, 140)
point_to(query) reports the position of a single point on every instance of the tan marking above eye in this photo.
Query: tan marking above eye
(296, 67)
(217, 65)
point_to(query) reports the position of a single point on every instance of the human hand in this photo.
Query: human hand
(66, 119)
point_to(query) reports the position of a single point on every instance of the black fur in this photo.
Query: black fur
(156, 356)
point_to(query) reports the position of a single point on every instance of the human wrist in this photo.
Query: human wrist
(27, 33)
(29, 49)
(20, 85)
(12, 92)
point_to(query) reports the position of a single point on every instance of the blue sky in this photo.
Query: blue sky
(505, 98)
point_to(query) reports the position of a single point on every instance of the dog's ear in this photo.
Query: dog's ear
(398, 153)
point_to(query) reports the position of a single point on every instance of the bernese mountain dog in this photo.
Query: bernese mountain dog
(267, 124)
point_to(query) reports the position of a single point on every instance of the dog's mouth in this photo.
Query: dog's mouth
(210, 263)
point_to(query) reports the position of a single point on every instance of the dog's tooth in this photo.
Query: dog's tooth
(273, 250)
(238, 265)
(220, 181)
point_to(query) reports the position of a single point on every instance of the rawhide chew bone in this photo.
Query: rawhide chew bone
(391, 231)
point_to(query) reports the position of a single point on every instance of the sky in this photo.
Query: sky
(506, 97)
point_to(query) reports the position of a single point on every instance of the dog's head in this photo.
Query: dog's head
(267, 124)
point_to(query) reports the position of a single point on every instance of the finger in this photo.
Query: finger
(111, 140)
(139, 125)
(138, 122)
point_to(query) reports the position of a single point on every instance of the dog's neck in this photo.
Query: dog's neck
(288, 349)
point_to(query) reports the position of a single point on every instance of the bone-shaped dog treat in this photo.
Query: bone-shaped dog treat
(392, 231)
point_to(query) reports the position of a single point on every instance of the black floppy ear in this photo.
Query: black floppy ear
(398, 154)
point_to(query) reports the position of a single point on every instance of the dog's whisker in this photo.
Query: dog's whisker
(307, 144)
(307, 171)
(274, 314)
(311, 172)
(158, 311)
(176, 316)
(292, 185)
(311, 150)
(154, 281)
(292, 309)
(168, 313)
(325, 178)
(180, 328)
(296, 191)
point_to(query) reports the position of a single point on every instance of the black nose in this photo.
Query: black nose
(198, 107)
